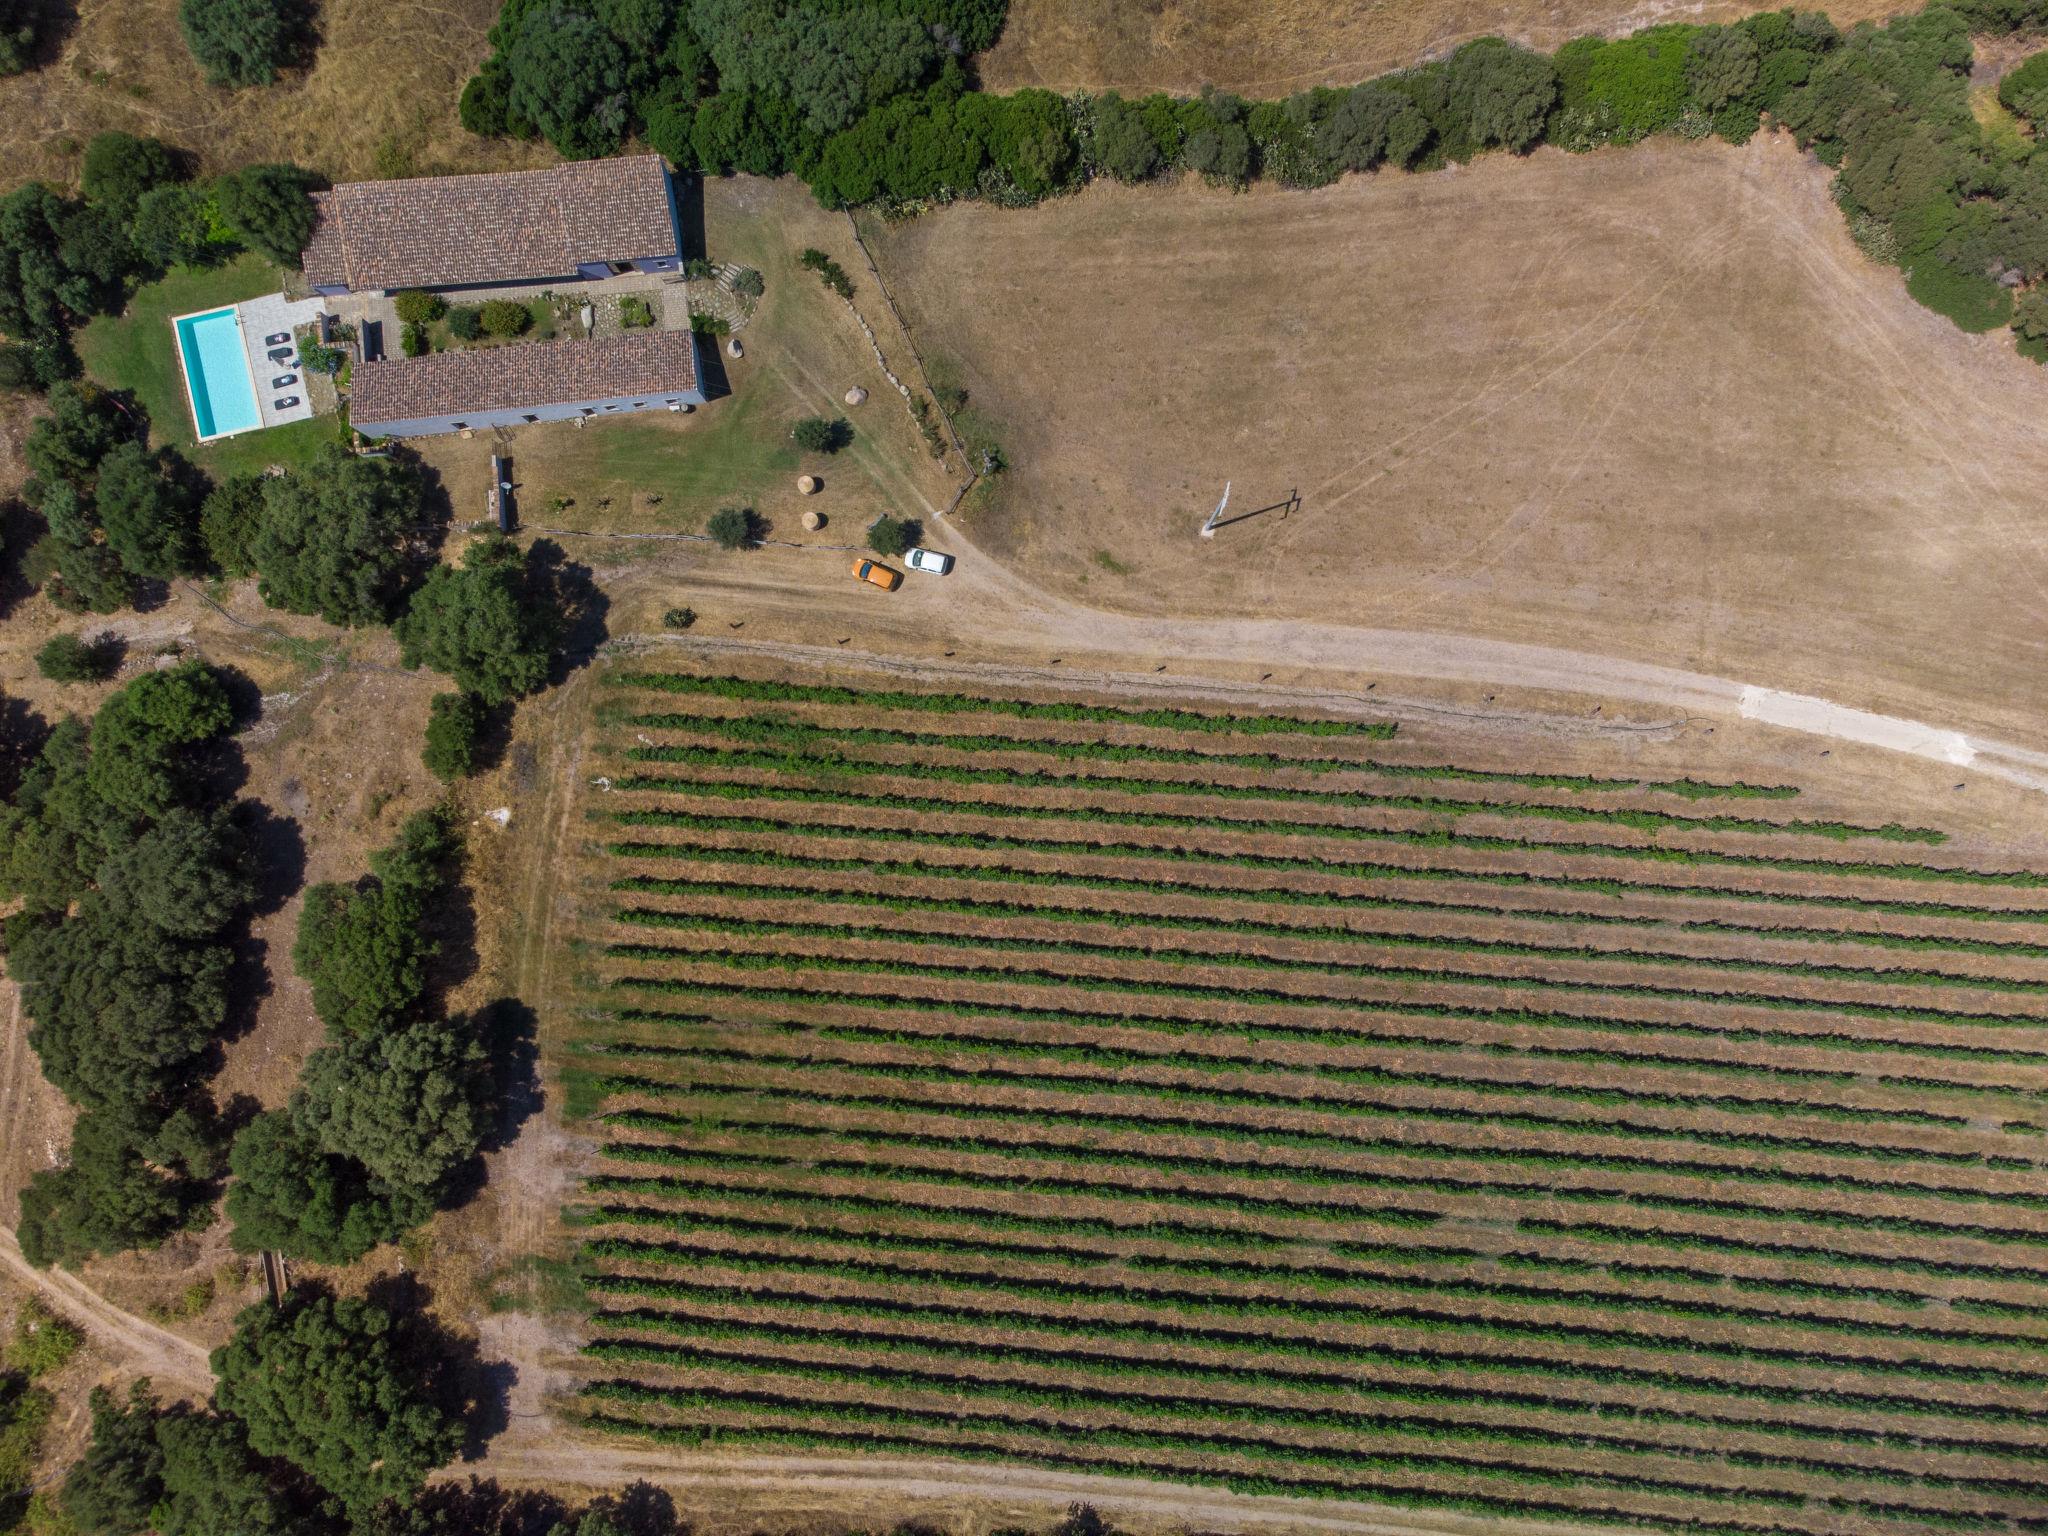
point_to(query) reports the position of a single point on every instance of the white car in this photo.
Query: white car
(931, 560)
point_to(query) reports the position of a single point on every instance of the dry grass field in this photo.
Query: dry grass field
(1272, 47)
(384, 83)
(1650, 404)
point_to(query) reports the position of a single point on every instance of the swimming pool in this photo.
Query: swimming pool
(217, 380)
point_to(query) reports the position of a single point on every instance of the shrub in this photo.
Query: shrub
(830, 273)
(413, 341)
(1972, 300)
(635, 313)
(455, 724)
(2025, 89)
(733, 527)
(417, 308)
(270, 207)
(240, 42)
(227, 522)
(465, 322)
(704, 324)
(68, 659)
(1121, 140)
(749, 283)
(679, 618)
(332, 1387)
(119, 167)
(815, 434)
(491, 625)
(314, 357)
(505, 317)
(893, 535)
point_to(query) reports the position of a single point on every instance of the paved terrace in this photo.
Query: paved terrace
(261, 319)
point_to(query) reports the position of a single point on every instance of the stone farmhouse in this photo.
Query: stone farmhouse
(600, 221)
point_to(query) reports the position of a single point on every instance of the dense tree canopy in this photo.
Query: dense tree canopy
(293, 1195)
(410, 1104)
(129, 872)
(335, 540)
(178, 1472)
(240, 42)
(148, 502)
(60, 259)
(106, 1198)
(325, 1384)
(491, 625)
(364, 947)
(119, 167)
(270, 207)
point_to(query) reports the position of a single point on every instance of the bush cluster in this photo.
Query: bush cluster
(830, 273)
(396, 1099)
(64, 259)
(819, 434)
(734, 527)
(888, 115)
(505, 317)
(893, 535)
(130, 872)
(244, 42)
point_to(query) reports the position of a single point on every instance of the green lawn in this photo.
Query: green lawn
(734, 452)
(136, 351)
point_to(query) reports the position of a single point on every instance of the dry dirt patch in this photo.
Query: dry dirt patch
(1651, 403)
(1271, 47)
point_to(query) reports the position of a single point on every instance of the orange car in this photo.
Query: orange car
(878, 573)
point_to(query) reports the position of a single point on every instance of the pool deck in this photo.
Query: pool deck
(266, 317)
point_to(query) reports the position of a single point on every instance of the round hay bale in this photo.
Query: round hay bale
(733, 348)
(856, 396)
(808, 484)
(813, 521)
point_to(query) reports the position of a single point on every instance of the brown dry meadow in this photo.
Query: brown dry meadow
(1272, 47)
(1650, 403)
(379, 98)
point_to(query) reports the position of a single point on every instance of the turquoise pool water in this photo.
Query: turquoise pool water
(217, 374)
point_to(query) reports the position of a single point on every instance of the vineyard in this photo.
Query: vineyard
(1278, 1104)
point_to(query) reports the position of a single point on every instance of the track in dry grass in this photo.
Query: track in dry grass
(1272, 1104)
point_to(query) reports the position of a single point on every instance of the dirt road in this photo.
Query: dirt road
(1002, 607)
(146, 1349)
(890, 1482)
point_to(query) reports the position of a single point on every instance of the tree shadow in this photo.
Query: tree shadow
(711, 375)
(277, 855)
(20, 526)
(22, 734)
(482, 1508)
(451, 926)
(244, 697)
(437, 516)
(689, 195)
(510, 1030)
(571, 589)
(54, 21)
(248, 987)
(453, 1374)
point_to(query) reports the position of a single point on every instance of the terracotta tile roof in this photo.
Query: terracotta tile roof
(646, 364)
(437, 231)
(323, 258)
